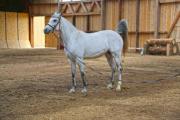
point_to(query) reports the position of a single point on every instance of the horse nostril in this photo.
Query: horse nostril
(45, 30)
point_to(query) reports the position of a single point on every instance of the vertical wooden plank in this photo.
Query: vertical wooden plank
(31, 31)
(6, 30)
(137, 22)
(3, 41)
(157, 19)
(120, 9)
(11, 24)
(23, 30)
(18, 29)
(178, 26)
(116, 14)
(95, 23)
(81, 23)
(103, 14)
(129, 13)
(152, 16)
(74, 20)
(88, 23)
(30, 24)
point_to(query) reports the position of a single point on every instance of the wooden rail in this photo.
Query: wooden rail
(169, 1)
(67, 8)
(55, 2)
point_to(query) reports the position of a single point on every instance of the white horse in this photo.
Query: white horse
(79, 45)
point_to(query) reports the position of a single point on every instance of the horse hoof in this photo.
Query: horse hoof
(110, 86)
(72, 90)
(84, 91)
(118, 89)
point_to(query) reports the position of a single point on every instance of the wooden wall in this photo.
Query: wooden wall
(168, 12)
(87, 16)
(94, 21)
(147, 16)
(146, 26)
(115, 10)
(112, 14)
(14, 30)
(129, 13)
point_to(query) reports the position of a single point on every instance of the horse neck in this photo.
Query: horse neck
(67, 30)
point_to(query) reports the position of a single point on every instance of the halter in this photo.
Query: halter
(59, 20)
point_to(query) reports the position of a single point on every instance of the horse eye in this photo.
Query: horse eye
(54, 20)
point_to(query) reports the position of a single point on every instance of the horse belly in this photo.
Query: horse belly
(96, 50)
(95, 55)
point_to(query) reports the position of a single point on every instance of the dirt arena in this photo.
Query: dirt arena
(34, 85)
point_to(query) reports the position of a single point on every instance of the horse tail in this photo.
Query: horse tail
(123, 32)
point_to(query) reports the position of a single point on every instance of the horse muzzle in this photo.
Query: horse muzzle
(47, 30)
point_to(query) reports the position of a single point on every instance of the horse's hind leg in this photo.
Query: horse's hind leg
(73, 71)
(112, 64)
(119, 67)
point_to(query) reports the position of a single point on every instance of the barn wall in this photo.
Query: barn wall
(147, 17)
(14, 30)
(81, 23)
(129, 13)
(146, 26)
(94, 21)
(168, 12)
(112, 17)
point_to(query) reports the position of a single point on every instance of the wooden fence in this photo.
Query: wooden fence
(146, 18)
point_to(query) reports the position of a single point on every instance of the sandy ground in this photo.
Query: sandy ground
(34, 85)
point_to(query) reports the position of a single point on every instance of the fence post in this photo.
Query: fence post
(137, 22)
(103, 14)
(157, 19)
(120, 9)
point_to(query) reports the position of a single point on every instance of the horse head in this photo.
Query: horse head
(53, 23)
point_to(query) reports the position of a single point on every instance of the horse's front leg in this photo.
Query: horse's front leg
(83, 77)
(73, 71)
